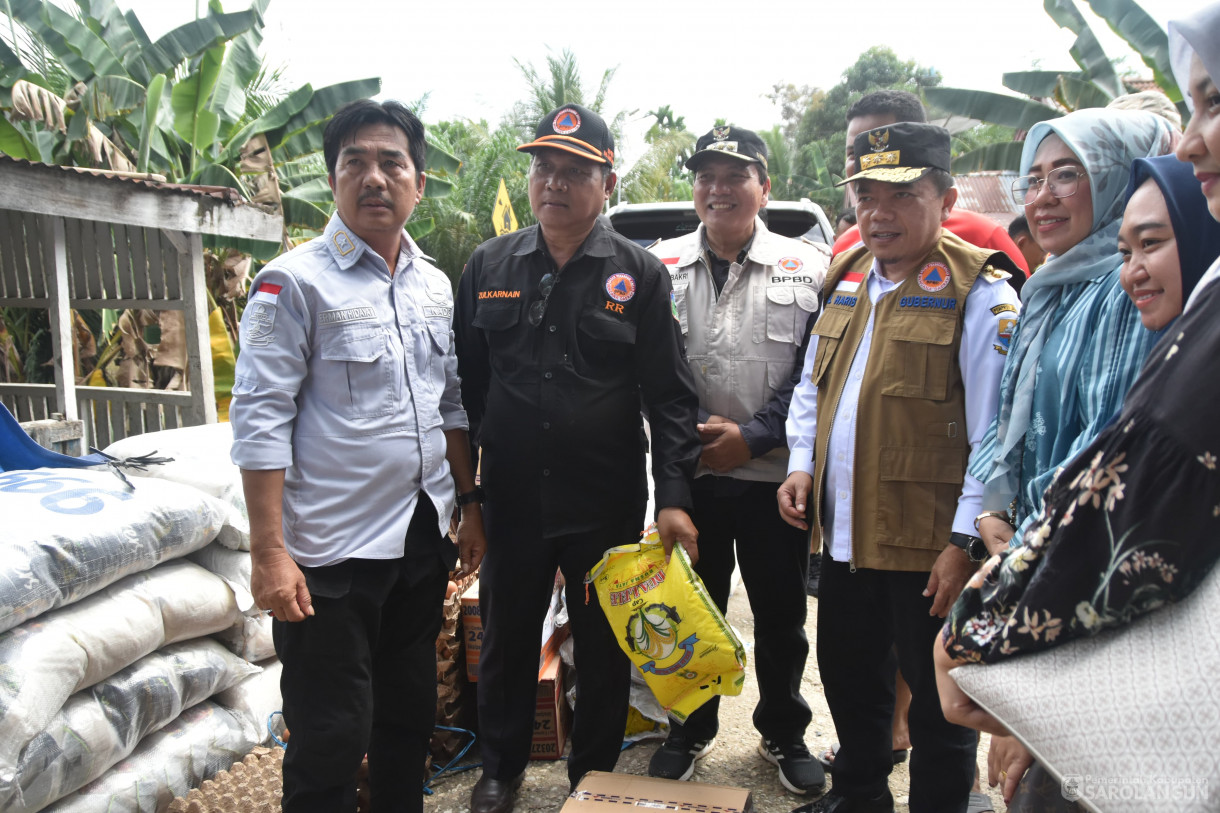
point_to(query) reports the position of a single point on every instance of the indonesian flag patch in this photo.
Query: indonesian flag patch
(849, 282)
(266, 292)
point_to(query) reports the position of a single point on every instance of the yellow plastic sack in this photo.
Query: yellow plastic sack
(668, 625)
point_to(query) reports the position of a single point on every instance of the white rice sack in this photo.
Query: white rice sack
(69, 532)
(203, 741)
(231, 565)
(200, 459)
(101, 725)
(255, 699)
(44, 661)
(249, 638)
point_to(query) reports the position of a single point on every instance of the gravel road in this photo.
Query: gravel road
(734, 761)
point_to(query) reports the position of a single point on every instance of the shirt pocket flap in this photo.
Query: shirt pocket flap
(353, 344)
(606, 328)
(441, 336)
(497, 316)
(807, 300)
(781, 294)
(832, 323)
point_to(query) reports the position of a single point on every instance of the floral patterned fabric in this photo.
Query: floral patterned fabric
(1130, 524)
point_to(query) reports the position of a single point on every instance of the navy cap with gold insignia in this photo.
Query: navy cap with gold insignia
(736, 142)
(900, 153)
(575, 129)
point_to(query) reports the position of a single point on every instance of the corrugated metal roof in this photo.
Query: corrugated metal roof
(149, 181)
(988, 193)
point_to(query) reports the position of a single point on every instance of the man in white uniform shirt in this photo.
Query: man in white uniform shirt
(349, 431)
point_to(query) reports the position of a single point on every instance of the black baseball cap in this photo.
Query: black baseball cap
(577, 130)
(736, 142)
(900, 153)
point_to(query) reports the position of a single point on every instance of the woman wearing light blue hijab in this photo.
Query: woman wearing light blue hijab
(1080, 343)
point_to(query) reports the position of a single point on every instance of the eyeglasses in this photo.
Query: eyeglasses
(538, 309)
(1063, 183)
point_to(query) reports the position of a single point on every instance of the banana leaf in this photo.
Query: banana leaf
(1139, 30)
(995, 108)
(1005, 155)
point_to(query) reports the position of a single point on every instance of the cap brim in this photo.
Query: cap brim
(567, 144)
(698, 157)
(888, 175)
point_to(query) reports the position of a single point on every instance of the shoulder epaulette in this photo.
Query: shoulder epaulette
(993, 274)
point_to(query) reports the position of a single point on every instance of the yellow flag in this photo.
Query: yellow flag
(503, 220)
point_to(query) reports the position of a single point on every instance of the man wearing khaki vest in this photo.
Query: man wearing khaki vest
(900, 382)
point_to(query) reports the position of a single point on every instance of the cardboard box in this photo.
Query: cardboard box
(552, 717)
(472, 629)
(619, 793)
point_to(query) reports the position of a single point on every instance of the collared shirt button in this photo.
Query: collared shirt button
(546, 424)
(842, 495)
(840, 456)
(548, 376)
(546, 472)
(552, 328)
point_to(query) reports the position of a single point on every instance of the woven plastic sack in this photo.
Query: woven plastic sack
(99, 726)
(250, 638)
(203, 741)
(46, 660)
(231, 565)
(255, 699)
(668, 625)
(69, 533)
(200, 459)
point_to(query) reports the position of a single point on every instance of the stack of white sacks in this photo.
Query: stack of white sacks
(128, 639)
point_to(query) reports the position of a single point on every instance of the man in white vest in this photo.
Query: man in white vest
(746, 300)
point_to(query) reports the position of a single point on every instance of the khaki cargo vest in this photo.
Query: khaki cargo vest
(911, 442)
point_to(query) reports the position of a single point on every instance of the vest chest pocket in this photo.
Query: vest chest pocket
(918, 357)
(785, 311)
(829, 330)
(361, 375)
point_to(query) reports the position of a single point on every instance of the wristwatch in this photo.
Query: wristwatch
(972, 545)
(1004, 515)
(474, 495)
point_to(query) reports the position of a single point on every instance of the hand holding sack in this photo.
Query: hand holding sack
(668, 625)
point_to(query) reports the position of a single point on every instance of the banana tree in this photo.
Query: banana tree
(1050, 94)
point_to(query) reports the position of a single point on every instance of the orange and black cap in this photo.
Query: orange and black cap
(575, 129)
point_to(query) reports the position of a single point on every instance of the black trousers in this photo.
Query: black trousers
(863, 617)
(774, 561)
(360, 676)
(515, 583)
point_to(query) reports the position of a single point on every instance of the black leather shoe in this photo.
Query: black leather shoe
(834, 803)
(493, 796)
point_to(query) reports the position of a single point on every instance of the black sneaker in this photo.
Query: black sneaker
(815, 574)
(834, 803)
(675, 759)
(799, 772)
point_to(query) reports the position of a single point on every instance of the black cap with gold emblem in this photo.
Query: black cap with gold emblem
(735, 142)
(900, 153)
